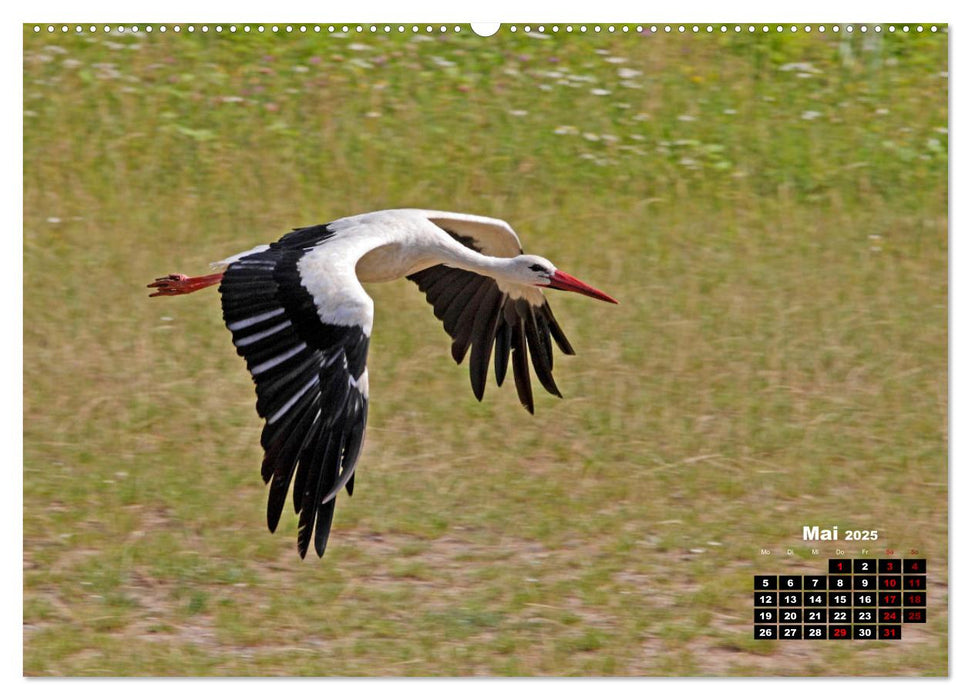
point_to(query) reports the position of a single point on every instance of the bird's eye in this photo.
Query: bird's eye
(536, 267)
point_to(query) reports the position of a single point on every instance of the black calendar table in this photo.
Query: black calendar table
(853, 599)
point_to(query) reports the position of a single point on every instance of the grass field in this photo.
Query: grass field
(771, 211)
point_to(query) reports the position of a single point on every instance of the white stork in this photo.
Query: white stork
(302, 321)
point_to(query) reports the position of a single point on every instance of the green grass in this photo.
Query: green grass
(770, 210)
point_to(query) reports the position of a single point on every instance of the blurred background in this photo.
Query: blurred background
(769, 208)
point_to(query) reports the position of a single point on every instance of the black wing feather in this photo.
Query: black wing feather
(558, 335)
(539, 351)
(305, 373)
(456, 299)
(478, 315)
(520, 368)
(466, 321)
(503, 345)
(483, 332)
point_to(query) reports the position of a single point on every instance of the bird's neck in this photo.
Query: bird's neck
(459, 256)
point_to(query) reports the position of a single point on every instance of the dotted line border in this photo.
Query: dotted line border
(442, 29)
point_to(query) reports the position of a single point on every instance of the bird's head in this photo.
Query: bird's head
(540, 272)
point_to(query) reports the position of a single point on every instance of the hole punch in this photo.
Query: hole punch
(485, 28)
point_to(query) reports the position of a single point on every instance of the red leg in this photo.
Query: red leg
(180, 284)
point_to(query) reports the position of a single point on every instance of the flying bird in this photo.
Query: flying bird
(302, 322)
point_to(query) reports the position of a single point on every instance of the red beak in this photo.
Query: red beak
(569, 283)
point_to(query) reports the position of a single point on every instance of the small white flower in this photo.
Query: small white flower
(686, 118)
(600, 92)
(627, 73)
(565, 130)
(802, 67)
(810, 114)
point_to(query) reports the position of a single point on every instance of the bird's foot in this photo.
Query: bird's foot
(171, 285)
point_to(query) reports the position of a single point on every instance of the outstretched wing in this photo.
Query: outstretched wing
(310, 376)
(478, 314)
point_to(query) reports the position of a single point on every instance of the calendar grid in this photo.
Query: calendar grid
(863, 599)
